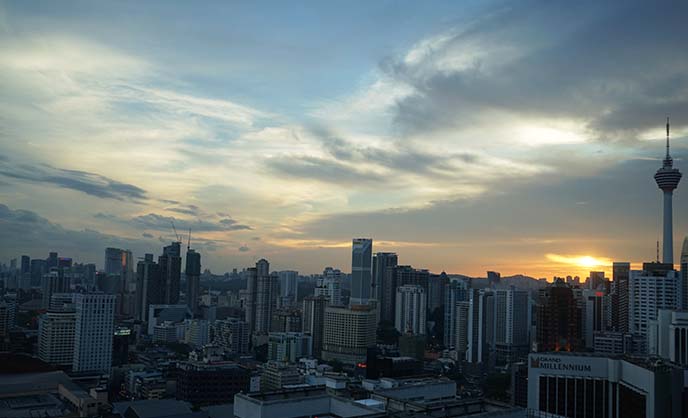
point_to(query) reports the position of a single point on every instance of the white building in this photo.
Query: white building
(668, 336)
(348, 333)
(232, 335)
(650, 290)
(289, 347)
(95, 316)
(56, 337)
(196, 332)
(411, 307)
(593, 385)
(330, 285)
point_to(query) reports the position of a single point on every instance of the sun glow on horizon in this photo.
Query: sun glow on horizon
(580, 260)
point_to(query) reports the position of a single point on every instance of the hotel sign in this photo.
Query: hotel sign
(558, 364)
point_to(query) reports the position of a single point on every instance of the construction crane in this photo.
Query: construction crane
(175, 231)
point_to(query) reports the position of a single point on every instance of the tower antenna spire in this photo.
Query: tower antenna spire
(188, 243)
(667, 138)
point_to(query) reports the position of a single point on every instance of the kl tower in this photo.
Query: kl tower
(667, 179)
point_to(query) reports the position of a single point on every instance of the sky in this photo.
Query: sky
(466, 136)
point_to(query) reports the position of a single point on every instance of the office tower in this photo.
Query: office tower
(51, 261)
(437, 284)
(456, 291)
(512, 324)
(361, 271)
(650, 289)
(266, 288)
(558, 319)
(289, 281)
(411, 307)
(493, 278)
(596, 280)
(95, 315)
(314, 320)
(193, 278)
(53, 282)
(25, 268)
(170, 263)
(56, 332)
(38, 269)
(231, 335)
(381, 262)
(114, 261)
(64, 263)
(289, 347)
(594, 315)
(667, 179)
(330, 286)
(286, 320)
(619, 310)
(408, 275)
(149, 286)
(348, 333)
(684, 275)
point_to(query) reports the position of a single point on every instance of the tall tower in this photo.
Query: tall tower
(667, 179)
(361, 271)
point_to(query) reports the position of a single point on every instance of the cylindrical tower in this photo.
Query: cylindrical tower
(667, 179)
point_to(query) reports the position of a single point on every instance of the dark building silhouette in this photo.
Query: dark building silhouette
(384, 289)
(148, 286)
(170, 272)
(314, 320)
(620, 274)
(193, 278)
(211, 383)
(558, 319)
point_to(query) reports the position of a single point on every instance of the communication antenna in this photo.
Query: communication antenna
(188, 244)
(658, 251)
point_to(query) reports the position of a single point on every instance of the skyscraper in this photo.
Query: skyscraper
(558, 319)
(667, 179)
(455, 292)
(654, 287)
(314, 320)
(512, 324)
(193, 277)
(250, 306)
(56, 330)
(25, 265)
(411, 309)
(265, 296)
(114, 260)
(684, 274)
(288, 283)
(349, 332)
(54, 282)
(361, 271)
(620, 274)
(170, 263)
(384, 292)
(330, 285)
(148, 286)
(95, 315)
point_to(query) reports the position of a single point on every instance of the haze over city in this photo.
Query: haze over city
(465, 136)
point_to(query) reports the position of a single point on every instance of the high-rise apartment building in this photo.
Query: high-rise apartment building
(480, 327)
(267, 286)
(456, 291)
(56, 332)
(437, 285)
(650, 289)
(558, 319)
(621, 273)
(314, 320)
(411, 308)
(93, 332)
(231, 335)
(114, 261)
(348, 333)
(361, 271)
(193, 277)
(330, 285)
(54, 282)
(289, 281)
(512, 324)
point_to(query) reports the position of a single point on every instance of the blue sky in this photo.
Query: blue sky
(467, 136)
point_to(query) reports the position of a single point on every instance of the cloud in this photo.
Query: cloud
(244, 249)
(24, 231)
(159, 222)
(185, 209)
(90, 183)
(321, 169)
(147, 235)
(533, 61)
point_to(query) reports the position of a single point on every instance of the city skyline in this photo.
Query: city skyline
(444, 143)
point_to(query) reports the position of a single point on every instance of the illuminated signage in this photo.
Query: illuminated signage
(556, 363)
